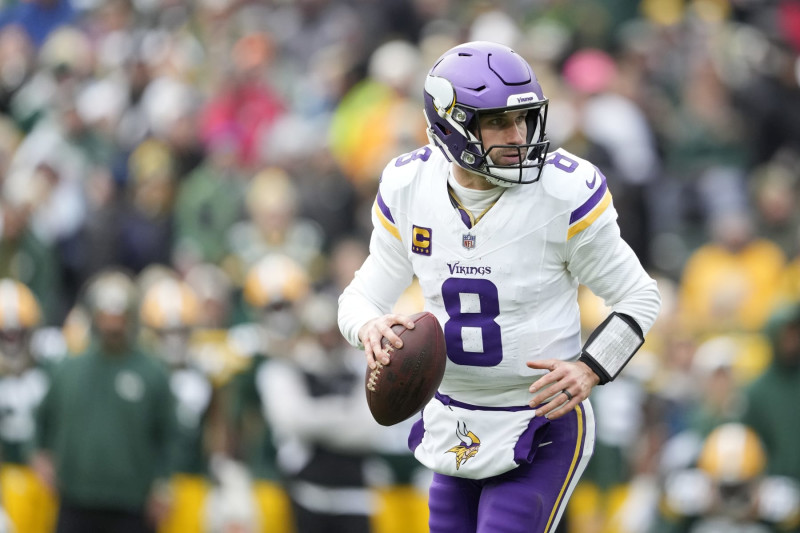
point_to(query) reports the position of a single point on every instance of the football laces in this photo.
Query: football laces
(373, 377)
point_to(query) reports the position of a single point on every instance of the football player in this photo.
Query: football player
(24, 380)
(728, 488)
(273, 292)
(314, 402)
(500, 231)
(168, 313)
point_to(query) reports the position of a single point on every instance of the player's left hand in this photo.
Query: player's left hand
(42, 463)
(567, 383)
(159, 503)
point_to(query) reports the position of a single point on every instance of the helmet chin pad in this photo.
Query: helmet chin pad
(509, 176)
(531, 154)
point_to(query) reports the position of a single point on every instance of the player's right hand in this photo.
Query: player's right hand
(42, 463)
(372, 333)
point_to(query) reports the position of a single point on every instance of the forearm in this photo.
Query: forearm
(341, 421)
(608, 266)
(355, 310)
(611, 270)
(375, 288)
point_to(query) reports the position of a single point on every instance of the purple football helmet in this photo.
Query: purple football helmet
(479, 78)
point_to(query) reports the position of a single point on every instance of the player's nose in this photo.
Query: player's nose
(515, 134)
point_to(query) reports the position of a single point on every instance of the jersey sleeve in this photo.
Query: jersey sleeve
(597, 209)
(45, 414)
(382, 219)
(599, 258)
(596, 255)
(384, 275)
(294, 413)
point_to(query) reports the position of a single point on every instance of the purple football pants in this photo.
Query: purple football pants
(529, 499)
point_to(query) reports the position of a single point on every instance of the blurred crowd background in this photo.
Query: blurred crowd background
(190, 181)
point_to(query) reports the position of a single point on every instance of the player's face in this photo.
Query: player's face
(112, 329)
(173, 345)
(12, 342)
(508, 128)
(281, 325)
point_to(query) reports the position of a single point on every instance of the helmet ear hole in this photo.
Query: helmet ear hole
(532, 120)
(442, 130)
(538, 151)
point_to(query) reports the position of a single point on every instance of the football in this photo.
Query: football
(397, 391)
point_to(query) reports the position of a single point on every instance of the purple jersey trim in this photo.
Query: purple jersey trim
(385, 209)
(447, 400)
(528, 443)
(591, 202)
(416, 433)
(465, 218)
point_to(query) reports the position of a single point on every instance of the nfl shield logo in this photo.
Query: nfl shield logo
(468, 241)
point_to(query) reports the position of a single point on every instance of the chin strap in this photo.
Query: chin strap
(612, 345)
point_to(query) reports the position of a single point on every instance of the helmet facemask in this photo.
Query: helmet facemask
(173, 345)
(15, 349)
(531, 154)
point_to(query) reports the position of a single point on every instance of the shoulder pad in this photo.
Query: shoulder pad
(688, 492)
(400, 178)
(580, 184)
(247, 339)
(778, 500)
(569, 177)
(406, 167)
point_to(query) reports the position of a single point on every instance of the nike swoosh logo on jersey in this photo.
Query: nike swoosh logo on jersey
(594, 180)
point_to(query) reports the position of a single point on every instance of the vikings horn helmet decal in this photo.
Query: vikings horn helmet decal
(480, 78)
(470, 444)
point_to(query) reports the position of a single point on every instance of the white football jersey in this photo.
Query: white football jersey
(505, 290)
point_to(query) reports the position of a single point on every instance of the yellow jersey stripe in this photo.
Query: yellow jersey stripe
(391, 228)
(590, 217)
(571, 472)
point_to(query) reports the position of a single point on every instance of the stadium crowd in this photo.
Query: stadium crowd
(191, 182)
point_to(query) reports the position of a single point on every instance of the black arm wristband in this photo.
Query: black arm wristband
(602, 356)
(596, 368)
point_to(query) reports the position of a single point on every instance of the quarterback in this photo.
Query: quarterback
(500, 231)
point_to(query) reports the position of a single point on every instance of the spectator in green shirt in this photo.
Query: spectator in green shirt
(772, 399)
(104, 426)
